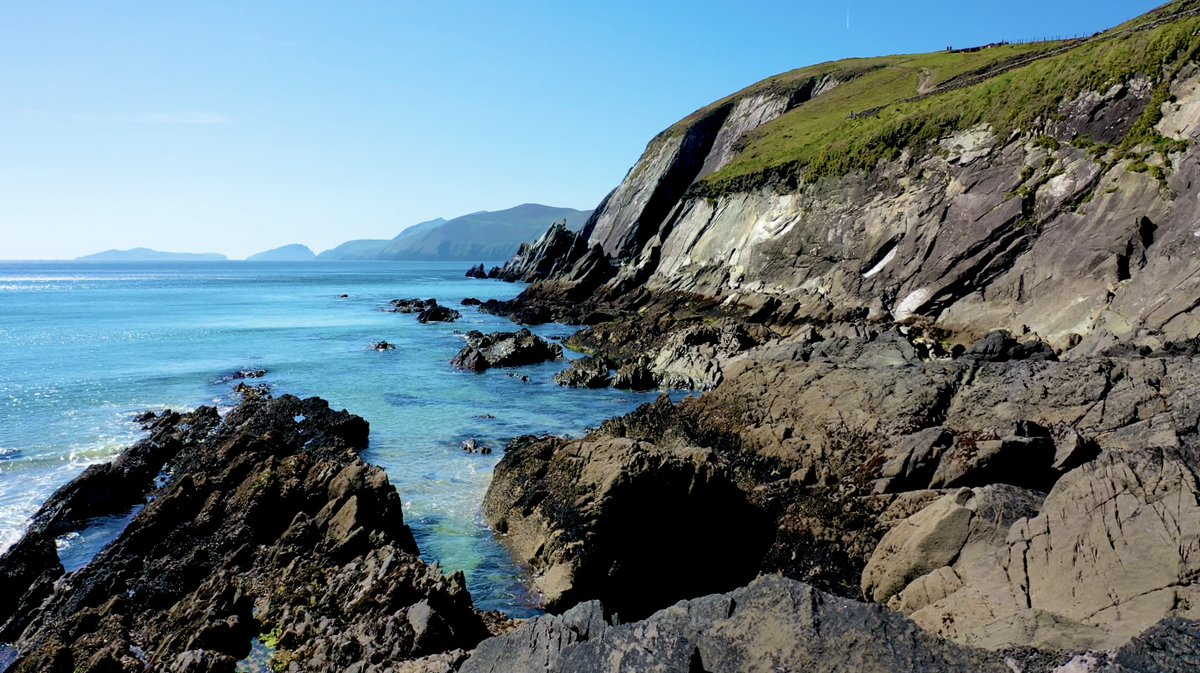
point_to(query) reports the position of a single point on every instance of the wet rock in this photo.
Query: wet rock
(603, 518)
(438, 313)
(477, 272)
(471, 301)
(242, 374)
(383, 346)
(474, 446)
(410, 305)
(270, 523)
(588, 372)
(253, 391)
(504, 349)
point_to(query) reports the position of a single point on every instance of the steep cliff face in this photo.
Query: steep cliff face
(695, 148)
(935, 187)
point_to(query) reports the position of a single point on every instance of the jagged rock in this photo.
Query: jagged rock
(588, 372)
(270, 523)
(1171, 646)
(773, 624)
(999, 346)
(410, 305)
(623, 520)
(474, 446)
(504, 349)
(383, 346)
(259, 391)
(477, 272)
(692, 358)
(242, 374)
(438, 313)
(635, 375)
(554, 252)
(471, 301)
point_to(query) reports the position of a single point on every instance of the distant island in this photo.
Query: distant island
(288, 253)
(484, 235)
(148, 255)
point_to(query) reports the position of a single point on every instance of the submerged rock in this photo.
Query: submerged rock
(504, 349)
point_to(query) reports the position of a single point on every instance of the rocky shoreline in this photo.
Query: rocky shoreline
(959, 491)
(950, 421)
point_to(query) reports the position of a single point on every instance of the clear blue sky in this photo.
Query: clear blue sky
(239, 126)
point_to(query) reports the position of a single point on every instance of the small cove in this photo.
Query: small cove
(85, 347)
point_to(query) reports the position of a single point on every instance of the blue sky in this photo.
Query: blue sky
(235, 127)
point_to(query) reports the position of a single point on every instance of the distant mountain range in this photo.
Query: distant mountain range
(485, 235)
(477, 237)
(288, 253)
(148, 255)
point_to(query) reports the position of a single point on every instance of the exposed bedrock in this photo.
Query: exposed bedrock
(873, 466)
(1052, 230)
(269, 522)
(638, 525)
(1114, 548)
(504, 349)
(771, 624)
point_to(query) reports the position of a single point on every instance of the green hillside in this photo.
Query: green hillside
(886, 105)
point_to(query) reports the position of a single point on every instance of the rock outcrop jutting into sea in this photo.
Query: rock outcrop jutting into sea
(946, 310)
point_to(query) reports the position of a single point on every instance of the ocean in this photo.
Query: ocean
(85, 347)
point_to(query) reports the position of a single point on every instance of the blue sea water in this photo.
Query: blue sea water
(85, 347)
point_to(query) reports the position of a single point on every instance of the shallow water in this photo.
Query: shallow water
(84, 347)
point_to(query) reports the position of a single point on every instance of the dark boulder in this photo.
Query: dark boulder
(999, 346)
(410, 305)
(471, 301)
(477, 272)
(253, 391)
(504, 349)
(438, 313)
(589, 372)
(383, 346)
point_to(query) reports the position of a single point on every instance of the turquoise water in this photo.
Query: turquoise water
(84, 347)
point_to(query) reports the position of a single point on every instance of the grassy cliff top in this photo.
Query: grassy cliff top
(884, 106)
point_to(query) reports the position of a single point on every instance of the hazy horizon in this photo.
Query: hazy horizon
(237, 129)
